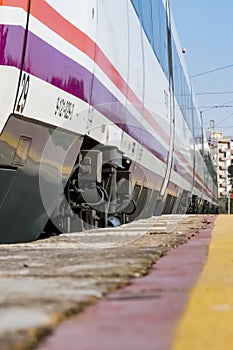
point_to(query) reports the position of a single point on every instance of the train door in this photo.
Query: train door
(133, 123)
(171, 104)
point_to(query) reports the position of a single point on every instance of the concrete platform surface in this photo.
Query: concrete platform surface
(186, 302)
(208, 320)
(44, 283)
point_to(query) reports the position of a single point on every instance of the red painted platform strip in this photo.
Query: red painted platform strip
(142, 316)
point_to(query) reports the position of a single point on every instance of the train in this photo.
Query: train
(98, 120)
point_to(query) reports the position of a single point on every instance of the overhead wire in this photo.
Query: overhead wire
(212, 70)
(224, 119)
(224, 105)
(214, 93)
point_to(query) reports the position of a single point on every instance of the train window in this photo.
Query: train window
(198, 131)
(181, 89)
(159, 24)
(136, 4)
(147, 19)
(152, 15)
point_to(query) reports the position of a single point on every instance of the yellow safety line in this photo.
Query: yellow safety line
(207, 323)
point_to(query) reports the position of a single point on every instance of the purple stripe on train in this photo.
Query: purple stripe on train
(50, 65)
(47, 63)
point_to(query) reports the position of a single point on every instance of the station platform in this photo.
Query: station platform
(162, 283)
(185, 302)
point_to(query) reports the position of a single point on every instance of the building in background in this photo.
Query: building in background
(221, 148)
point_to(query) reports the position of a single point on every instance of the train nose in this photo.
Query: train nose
(18, 217)
(31, 171)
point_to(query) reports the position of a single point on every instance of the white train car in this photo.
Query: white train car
(97, 118)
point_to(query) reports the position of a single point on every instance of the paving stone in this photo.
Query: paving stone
(44, 282)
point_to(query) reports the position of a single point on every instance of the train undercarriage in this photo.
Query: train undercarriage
(101, 192)
(98, 192)
(47, 189)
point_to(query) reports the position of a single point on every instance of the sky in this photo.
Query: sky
(205, 30)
